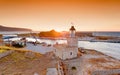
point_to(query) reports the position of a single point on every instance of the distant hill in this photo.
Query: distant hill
(4, 28)
(51, 33)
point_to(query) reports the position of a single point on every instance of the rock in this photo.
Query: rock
(36, 73)
(30, 54)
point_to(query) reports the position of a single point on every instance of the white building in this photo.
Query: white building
(70, 50)
(52, 71)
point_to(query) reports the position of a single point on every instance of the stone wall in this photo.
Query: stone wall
(30, 54)
(69, 54)
(66, 53)
(72, 41)
(6, 53)
(72, 67)
(107, 72)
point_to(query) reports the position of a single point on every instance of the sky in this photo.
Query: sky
(44, 15)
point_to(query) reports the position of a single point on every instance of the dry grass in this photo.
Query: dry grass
(104, 63)
(16, 62)
(21, 63)
(2, 50)
(97, 60)
(12, 48)
(93, 52)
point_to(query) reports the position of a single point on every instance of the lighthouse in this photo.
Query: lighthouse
(72, 31)
(72, 40)
(69, 50)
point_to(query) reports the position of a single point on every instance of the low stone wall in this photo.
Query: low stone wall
(29, 54)
(6, 53)
(107, 72)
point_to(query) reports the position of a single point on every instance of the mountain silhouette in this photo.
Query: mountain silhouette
(4, 28)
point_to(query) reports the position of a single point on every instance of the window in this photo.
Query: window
(73, 68)
(70, 53)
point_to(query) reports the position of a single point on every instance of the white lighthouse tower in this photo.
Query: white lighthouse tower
(72, 39)
(72, 31)
(70, 50)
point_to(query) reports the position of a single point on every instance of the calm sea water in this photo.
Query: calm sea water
(115, 34)
(111, 49)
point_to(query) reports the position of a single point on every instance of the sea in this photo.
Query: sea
(113, 34)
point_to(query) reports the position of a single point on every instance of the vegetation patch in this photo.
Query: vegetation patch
(98, 60)
(18, 61)
(2, 49)
(18, 54)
